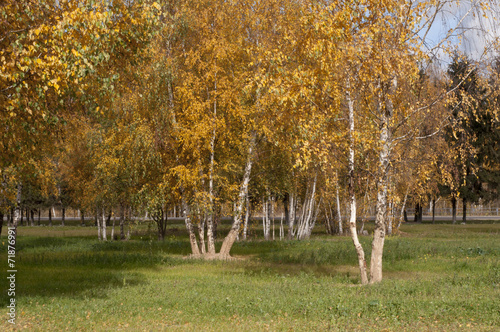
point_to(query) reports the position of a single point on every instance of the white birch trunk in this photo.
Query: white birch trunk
(339, 215)
(271, 201)
(113, 228)
(352, 197)
(189, 226)
(266, 221)
(384, 155)
(99, 231)
(210, 221)
(104, 236)
(291, 222)
(401, 215)
(247, 217)
(282, 231)
(306, 221)
(231, 237)
(390, 218)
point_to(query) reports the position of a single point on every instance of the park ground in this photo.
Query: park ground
(438, 277)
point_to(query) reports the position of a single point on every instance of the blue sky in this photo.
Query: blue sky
(474, 29)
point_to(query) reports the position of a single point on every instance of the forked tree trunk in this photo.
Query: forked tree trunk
(231, 237)
(307, 221)
(352, 197)
(189, 226)
(330, 220)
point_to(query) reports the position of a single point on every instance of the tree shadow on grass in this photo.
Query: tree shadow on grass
(55, 267)
(72, 282)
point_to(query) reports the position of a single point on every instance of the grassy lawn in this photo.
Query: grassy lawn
(437, 278)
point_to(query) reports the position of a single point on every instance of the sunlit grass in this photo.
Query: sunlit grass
(437, 277)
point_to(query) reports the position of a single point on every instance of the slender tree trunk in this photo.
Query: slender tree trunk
(122, 221)
(50, 216)
(1, 221)
(247, 217)
(339, 215)
(464, 210)
(282, 230)
(454, 209)
(96, 216)
(104, 236)
(417, 211)
(272, 215)
(63, 216)
(291, 221)
(39, 213)
(17, 211)
(286, 200)
(265, 218)
(201, 233)
(389, 219)
(352, 196)
(22, 216)
(99, 230)
(231, 237)
(403, 210)
(82, 218)
(433, 210)
(113, 229)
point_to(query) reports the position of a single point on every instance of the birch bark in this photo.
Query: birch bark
(231, 237)
(189, 226)
(352, 197)
(382, 182)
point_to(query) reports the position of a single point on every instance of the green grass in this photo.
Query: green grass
(436, 277)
